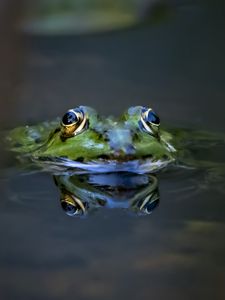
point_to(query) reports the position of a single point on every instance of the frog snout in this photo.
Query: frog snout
(120, 141)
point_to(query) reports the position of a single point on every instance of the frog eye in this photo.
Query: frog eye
(72, 205)
(150, 121)
(73, 122)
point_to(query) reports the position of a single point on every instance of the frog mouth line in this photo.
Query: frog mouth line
(104, 158)
(141, 166)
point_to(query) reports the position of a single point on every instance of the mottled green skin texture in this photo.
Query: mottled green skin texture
(104, 139)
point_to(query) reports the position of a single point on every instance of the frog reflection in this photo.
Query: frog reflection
(81, 195)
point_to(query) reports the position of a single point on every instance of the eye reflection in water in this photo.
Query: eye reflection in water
(84, 194)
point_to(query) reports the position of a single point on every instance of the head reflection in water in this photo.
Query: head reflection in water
(83, 194)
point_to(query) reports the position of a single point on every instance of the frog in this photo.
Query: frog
(82, 141)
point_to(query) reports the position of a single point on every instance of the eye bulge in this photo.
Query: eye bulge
(73, 122)
(150, 116)
(70, 118)
(149, 121)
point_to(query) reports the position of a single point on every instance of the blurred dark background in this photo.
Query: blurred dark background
(166, 54)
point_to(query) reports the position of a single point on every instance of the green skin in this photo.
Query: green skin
(109, 145)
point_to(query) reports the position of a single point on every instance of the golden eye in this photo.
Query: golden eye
(73, 122)
(72, 205)
(150, 121)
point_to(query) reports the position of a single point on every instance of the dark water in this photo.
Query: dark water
(176, 66)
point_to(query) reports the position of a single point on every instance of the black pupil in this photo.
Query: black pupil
(69, 208)
(151, 206)
(153, 118)
(69, 118)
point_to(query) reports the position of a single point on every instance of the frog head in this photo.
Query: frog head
(84, 140)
